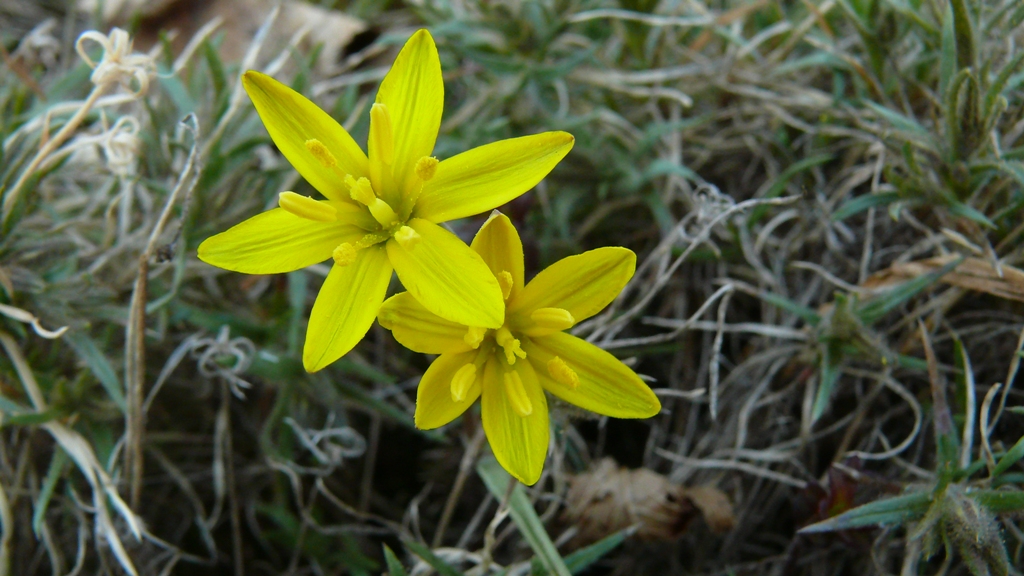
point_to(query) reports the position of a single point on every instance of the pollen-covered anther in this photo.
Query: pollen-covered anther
(382, 133)
(462, 382)
(306, 207)
(321, 153)
(426, 167)
(362, 191)
(408, 237)
(474, 336)
(561, 372)
(509, 343)
(344, 254)
(557, 319)
(505, 282)
(516, 394)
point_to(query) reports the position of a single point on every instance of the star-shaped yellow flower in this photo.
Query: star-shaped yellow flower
(510, 367)
(381, 212)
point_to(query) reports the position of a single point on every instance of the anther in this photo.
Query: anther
(462, 382)
(408, 237)
(505, 281)
(562, 373)
(321, 153)
(505, 339)
(381, 134)
(426, 167)
(516, 394)
(306, 207)
(344, 254)
(474, 336)
(556, 319)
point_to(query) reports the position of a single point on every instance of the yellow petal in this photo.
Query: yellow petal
(434, 404)
(499, 245)
(292, 120)
(582, 284)
(448, 278)
(489, 176)
(606, 385)
(520, 443)
(413, 92)
(345, 307)
(275, 241)
(419, 329)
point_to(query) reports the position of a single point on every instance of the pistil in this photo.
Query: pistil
(362, 192)
(509, 343)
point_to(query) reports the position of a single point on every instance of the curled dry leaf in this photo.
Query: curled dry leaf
(972, 274)
(609, 498)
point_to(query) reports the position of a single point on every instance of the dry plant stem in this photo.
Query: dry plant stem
(51, 145)
(499, 516)
(135, 352)
(8, 527)
(468, 459)
(943, 420)
(229, 472)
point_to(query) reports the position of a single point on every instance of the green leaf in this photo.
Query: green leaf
(947, 51)
(873, 310)
(862, 203)
(581, 559)
(886, 512)
(965, 211)
(98, 364)
(911, 129)
(395, 567)
(830, 362)
(525, 517)
(780, 183)
(999, 501)
(808, 315)
(56, 471)
(429, 557)
(1012, 456)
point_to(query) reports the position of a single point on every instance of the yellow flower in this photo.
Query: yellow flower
(381, 212)
(510, 367)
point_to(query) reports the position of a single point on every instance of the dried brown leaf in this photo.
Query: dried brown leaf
(972, 274)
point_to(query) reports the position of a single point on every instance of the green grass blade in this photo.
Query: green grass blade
(395, 567)
(999, 501)
(89, 352)
(874, 309)
(862, 203)
(442, 567)
(56, 471)
(885, 512)
(581, 559)
(524, 516)
(1012, 456)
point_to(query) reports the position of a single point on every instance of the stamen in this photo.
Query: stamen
(408, 237)
(372, 238)
(344, 254)
(505, 339)
(462, 382)
(505, 281)
(426, 167)
(562, 373)
(474, 336)
(381, 134)
(516, 394)
(306, 207)
(362, 192)
(321, 153)
(556, 319)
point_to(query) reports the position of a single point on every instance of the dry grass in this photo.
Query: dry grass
(798, 181)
